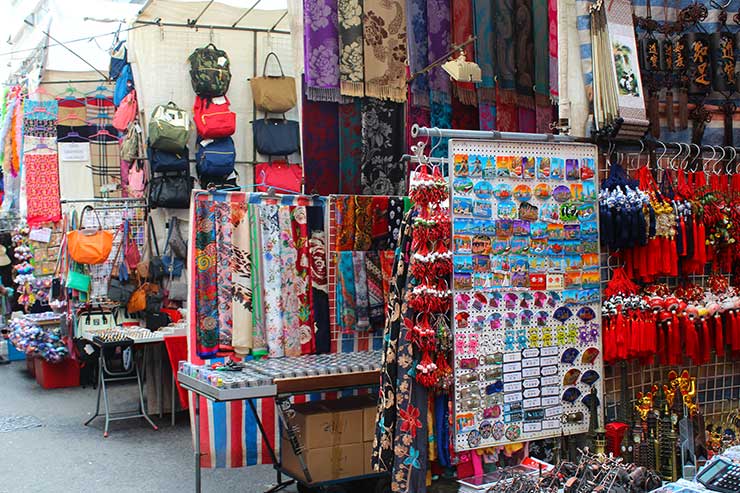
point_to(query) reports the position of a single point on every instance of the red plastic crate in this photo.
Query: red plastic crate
(30, 366)
(57, 375)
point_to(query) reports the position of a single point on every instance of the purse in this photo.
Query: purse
(280, 174)
(131, 143)
(131, 255)
(89, 246)
(173, 265)
(276, 136)
(273, 93)
(119, 291)
(78, 281)
(145, 298)
(126, 112)
(93, 319)
(177, 288)
(155, 321)
(171, 191)
(177, 242)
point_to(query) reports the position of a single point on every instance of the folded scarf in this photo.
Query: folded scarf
(345, 222)
(485, 49)
(345, 292)
(376, 301)
(438, 33)
(462, 29)
(524, 53)
(259, 340)
(272, 279)
(351, 69)
(385, 49)
(363, 222)
(320, 147)
(383, 173)
(321, 50)
(350, 147)
(302, 287)
(418, 50)
(362, 307)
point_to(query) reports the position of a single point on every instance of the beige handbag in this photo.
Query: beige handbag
(273, 93)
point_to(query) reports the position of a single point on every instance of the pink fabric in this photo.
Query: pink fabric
(42, 188)
(552, 14)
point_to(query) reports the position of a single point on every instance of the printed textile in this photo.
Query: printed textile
(385, 49)
(320, 147)
(321, 50)
(350, 147)
(383, 173)
(42, 188)
(351, 65)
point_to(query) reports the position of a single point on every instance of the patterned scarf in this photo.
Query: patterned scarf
(259, 339)
(351, 69)
(383, 172)
(345, 206)
(395, 217)
(206, 280)
(524, 53)
(350, 147)
(241, 268)
(363, 222)
(487, 115)
(438, 27)
(376, 301)
(485, 50)
(272, 279)
(290, 284)
(225, 286)
(462, 29)
(42, 189)
(541, 37)
(505, 64)
(362, 304)
(385, 49)
(387, 259)
(345, 292)
(418, 50)
(319, 284)
(552, 44)
(303, 291)
(320, 147)
(321, 50)
(379, 219)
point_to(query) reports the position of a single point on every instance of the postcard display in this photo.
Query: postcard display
(526, 298)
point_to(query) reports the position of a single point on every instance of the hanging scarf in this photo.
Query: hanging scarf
(241, 268)
(376, 301)
(206, 279)
(379, 223)
(438, 27)
(42, 189)
(345, 218)
(418, 50)
(345, 292)
(462, 29)
(552, 38)
(351, 73)
(320, 147)
(290, 284)
(383, 172)
(385, 49)
(362, 303)
(505, 60)
(387, 258)
(487, 115)
(225, 287)
(303, 290)
(259, 339)
(507, 119)
(272, 279)
(395, 216)
(464, 117)
(441, 118)
(350, 147)
(524, 53)
(363, 222)
(321, 50)
(485, 50)
(319, 285)
(541, 37)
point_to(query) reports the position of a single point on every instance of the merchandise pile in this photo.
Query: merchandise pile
(34, 340)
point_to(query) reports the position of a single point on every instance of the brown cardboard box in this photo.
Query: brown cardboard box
(322, 424)
(369, 416)
(326, 463)
(368, 457)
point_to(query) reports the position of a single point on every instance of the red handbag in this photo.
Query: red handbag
(213, 120)
(279, 174)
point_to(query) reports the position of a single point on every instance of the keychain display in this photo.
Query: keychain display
(525, 285)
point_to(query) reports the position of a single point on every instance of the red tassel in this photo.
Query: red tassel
(719, 340)
(735, 332)
(706, 343)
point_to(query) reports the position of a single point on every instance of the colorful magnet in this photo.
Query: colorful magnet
(571, 169)
(498, 430)
(528, 167)
(483, 189)
(513, 432)
(462, 185)
(528, 212)
(561, 193)
(525, 317)
(522, 192)
(462, 206)
(474, 439)
(569, 355)
(587, 212)
(462, 301)
(461, 165)
(543, 168)
(482, 208)
(590, 355)
(541, 318)
(550, 213)
(571, 377)
(507, 209)
(587, 400)
(497, 386)
(494, 299)
(568, 212)
(588, 169)
(542, 191)
(475, 166)
(562, 314)
(486, 430)
(586, 313)
(556, 168)
(481, 245)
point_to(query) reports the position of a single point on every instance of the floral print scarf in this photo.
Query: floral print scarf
(351, 65)
(385, 49)
(272, 278)
(290, 284)
(345, 292)
(321, 50)
(362, 303)
(206, 279)
(224, 279)
(383, 173)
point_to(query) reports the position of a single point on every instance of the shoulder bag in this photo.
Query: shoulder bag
(273, 93)
(171, 190)
(280, 174)
(90, 246)
(276, 136)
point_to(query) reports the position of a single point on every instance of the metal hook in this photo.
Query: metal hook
(698, 151)
(718, 171)
(675, 156)
(439, 142)
(665, 150)
(710, 161)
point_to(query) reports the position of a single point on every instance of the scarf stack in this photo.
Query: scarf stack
(385, 49)
(351, 65)
(321, 50)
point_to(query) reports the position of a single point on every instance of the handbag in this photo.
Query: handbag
(161, 161)
(169, 128)
(177, 242)
(177, 288)
(131, 142)
(170, 191)
(119, 291)
(213, 118)
(157, 269)
(126, 112)
(131, 255)
(78, 281)
(89, 246)
(155, 321)
(136, 180)
(280, 174)
(145, 298)
(118, 59)
(273, 93)
(172, 265)
(91, 318)
(276, 136)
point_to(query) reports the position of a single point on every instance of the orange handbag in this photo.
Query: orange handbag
(89, 246)
(137, 301)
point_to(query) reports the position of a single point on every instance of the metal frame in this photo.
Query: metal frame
(213, 27)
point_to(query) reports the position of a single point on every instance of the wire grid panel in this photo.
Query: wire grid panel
(516, 321)
(112, 215)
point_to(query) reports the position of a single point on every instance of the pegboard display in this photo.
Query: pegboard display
(526, 291)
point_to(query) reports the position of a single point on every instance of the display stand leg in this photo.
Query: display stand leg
(141, 401)
(105, 397)
(283, 405)
(280, 484)
(172, 403)
(197, 443)
(160, 383)
(97, 405)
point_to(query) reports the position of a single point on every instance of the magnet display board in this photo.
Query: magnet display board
(526, 297)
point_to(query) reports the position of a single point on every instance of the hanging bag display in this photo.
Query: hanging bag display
(118, 60)
(213, 118)
(172, 265)
(161, 161)
(90, 246)
(136, 179)
(210, 71)
(93, 318)
(215, 158)
(131, 142)
(280, 174)
(171, 191)
(276, 136)
(146, 298)
(273, 93)
(126, 112)
(157, 269)
(169, 128)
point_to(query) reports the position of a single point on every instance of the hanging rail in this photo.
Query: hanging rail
(417, 131)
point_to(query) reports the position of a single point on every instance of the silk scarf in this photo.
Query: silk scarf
(438, 34)
(241, 268)
(225, 287)
(290, 284)
(259, 340)
(304, 292)
(272, 279)
(383, 173)
(395, 218)
(379, 220)
(206, 279)
(351, 68)
(345, 220)
(418, 51)
(350, 147)
(321, 50)
(362, 302)
(552, 38)
(524, 53)
(462, 29)
(42, 189)
(345, 292)
(385, 49)
(376, 301)
(363, 222)
(319, 285)
(505, 62)
(320, 147)
(485, 50)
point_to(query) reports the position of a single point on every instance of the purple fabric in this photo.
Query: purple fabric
(438, 28)
(321, 50)
(418, 50)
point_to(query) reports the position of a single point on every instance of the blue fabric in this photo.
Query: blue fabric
(124, 84)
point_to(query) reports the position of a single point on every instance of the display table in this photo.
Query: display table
(280, 378)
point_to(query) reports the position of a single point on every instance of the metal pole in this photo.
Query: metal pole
(197, 443)
(250, 9)
(417, 131)
(216, 28)
(194, 22)
(74, 81)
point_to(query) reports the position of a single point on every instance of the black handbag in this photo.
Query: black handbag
(276, 136)
(170, 190)
(154, 302)
(157, 267)
(120, 291)
(155, 321)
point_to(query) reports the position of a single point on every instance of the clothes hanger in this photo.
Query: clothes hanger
(68, 94)
(72, 134)
(41, 146)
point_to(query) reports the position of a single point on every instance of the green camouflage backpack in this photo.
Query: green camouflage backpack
(209, 71)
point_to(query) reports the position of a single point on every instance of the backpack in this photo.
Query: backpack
(161, 161)
(213, 119)
(124, 84)
(216, 158)
(209, 71)
(118, 59)
(131, 142)
(169, 128)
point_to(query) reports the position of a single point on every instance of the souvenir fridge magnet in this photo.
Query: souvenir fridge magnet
(481, 245)
(520, 227)
(550, 213)
(463, 243)
(589, 356)
(503, 166)
(489, 169)
(522, 192)
(483, 189)
(571, 169)
(519, 271)
(528, 167)
(502, 191)
(475, 166)
(590, 377)
(543, 168)
(556, 168)
(569, 356)
(482, 208)
(463, 281)
(538, 280)
(542, 191)
(588, 169)
(571, 395)
(576, 191)
(462, 206)
(528, 212)
(507, 209)
(463, 263)
(462, 185)
(561, 193)
(461, 165)
(587, 213)
(554, 281)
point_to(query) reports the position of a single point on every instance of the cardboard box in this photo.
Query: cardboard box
(368, 452)
(369, 417)
(324, 425)
(325, 463)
